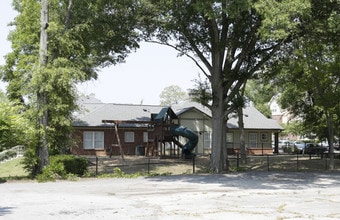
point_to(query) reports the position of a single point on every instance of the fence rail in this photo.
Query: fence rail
(201, 164)
(14, 152)
(288, 162)
(147, 165)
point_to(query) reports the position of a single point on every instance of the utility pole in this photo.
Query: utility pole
(42, 98)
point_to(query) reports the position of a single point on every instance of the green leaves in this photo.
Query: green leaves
(172, 95)
(82, 36)
(281, 18)
(14, 127)
(309, 74)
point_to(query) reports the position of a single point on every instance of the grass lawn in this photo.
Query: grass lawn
(12, 169)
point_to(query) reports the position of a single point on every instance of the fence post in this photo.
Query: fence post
(297, 161)
(96, 166)
(193, 163)
(148, 165)
(267, 162)
(237, 160)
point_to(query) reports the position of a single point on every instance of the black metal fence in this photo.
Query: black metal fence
(285, 162)
(201, 164)
(148, 165)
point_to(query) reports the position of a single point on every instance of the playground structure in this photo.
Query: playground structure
(163, 135)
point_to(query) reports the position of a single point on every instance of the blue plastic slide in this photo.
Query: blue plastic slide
(187, 133)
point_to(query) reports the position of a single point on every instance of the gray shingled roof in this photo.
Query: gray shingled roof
(93, 113)
(188, 105)
(253, 119)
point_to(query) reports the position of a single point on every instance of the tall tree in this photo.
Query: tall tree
(229, 41)
(42, 95)
(313, 66)
(83, 35)
(172, 95)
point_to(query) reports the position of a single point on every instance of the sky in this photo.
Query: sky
(140, 80)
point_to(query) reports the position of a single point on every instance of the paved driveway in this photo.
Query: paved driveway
(259, 195)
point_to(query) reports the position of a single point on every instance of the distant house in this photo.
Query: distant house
(282, 116)
(106, 128)
(279, 114)
(259, 132)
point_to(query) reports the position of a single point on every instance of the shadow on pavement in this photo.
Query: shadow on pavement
(5, 210)
(260, 180)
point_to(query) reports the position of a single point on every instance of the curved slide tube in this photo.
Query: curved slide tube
(187, 133)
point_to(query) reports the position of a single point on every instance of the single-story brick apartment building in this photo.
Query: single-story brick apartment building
(134, 130)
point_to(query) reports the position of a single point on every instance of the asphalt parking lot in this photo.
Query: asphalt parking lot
(256, 195)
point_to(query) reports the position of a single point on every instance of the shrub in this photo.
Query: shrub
(296, 150)
(287, 149)
(72, 164)
(31, 161)
(50, 173)
(63, 166)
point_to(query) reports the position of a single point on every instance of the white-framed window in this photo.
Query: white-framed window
(252, 140)
(129, 136)
(145, 136)
(207, 139)
(230, 137)
(264, 136)
(93, 140)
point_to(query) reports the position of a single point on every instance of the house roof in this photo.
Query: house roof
(186, 106)
(93, 113)
(253, 119)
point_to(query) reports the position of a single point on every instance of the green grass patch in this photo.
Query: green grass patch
(13, 169)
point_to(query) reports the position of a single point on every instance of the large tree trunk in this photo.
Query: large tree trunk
(242, 142)
(218, 154)
(41, 94)
(330, 139)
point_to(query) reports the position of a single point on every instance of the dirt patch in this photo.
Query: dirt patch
(149, 165)
(201, 164)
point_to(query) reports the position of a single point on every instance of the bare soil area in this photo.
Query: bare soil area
(150, 165)
(201, 164)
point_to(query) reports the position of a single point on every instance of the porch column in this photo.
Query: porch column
(276, 143)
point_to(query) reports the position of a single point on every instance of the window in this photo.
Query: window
(145, 136)
(129, 136)
(230, 137)
(93, 139)
(252, 140)
(207, 139)
(230, 140)
(264, 136)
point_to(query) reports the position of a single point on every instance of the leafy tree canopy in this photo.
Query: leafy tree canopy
(82, 36)
(14, 127)
(172, 95)
(309, 72)
(260, 94)
(229, 41)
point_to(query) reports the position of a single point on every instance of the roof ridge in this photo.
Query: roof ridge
(90, 112)
(122, 104)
